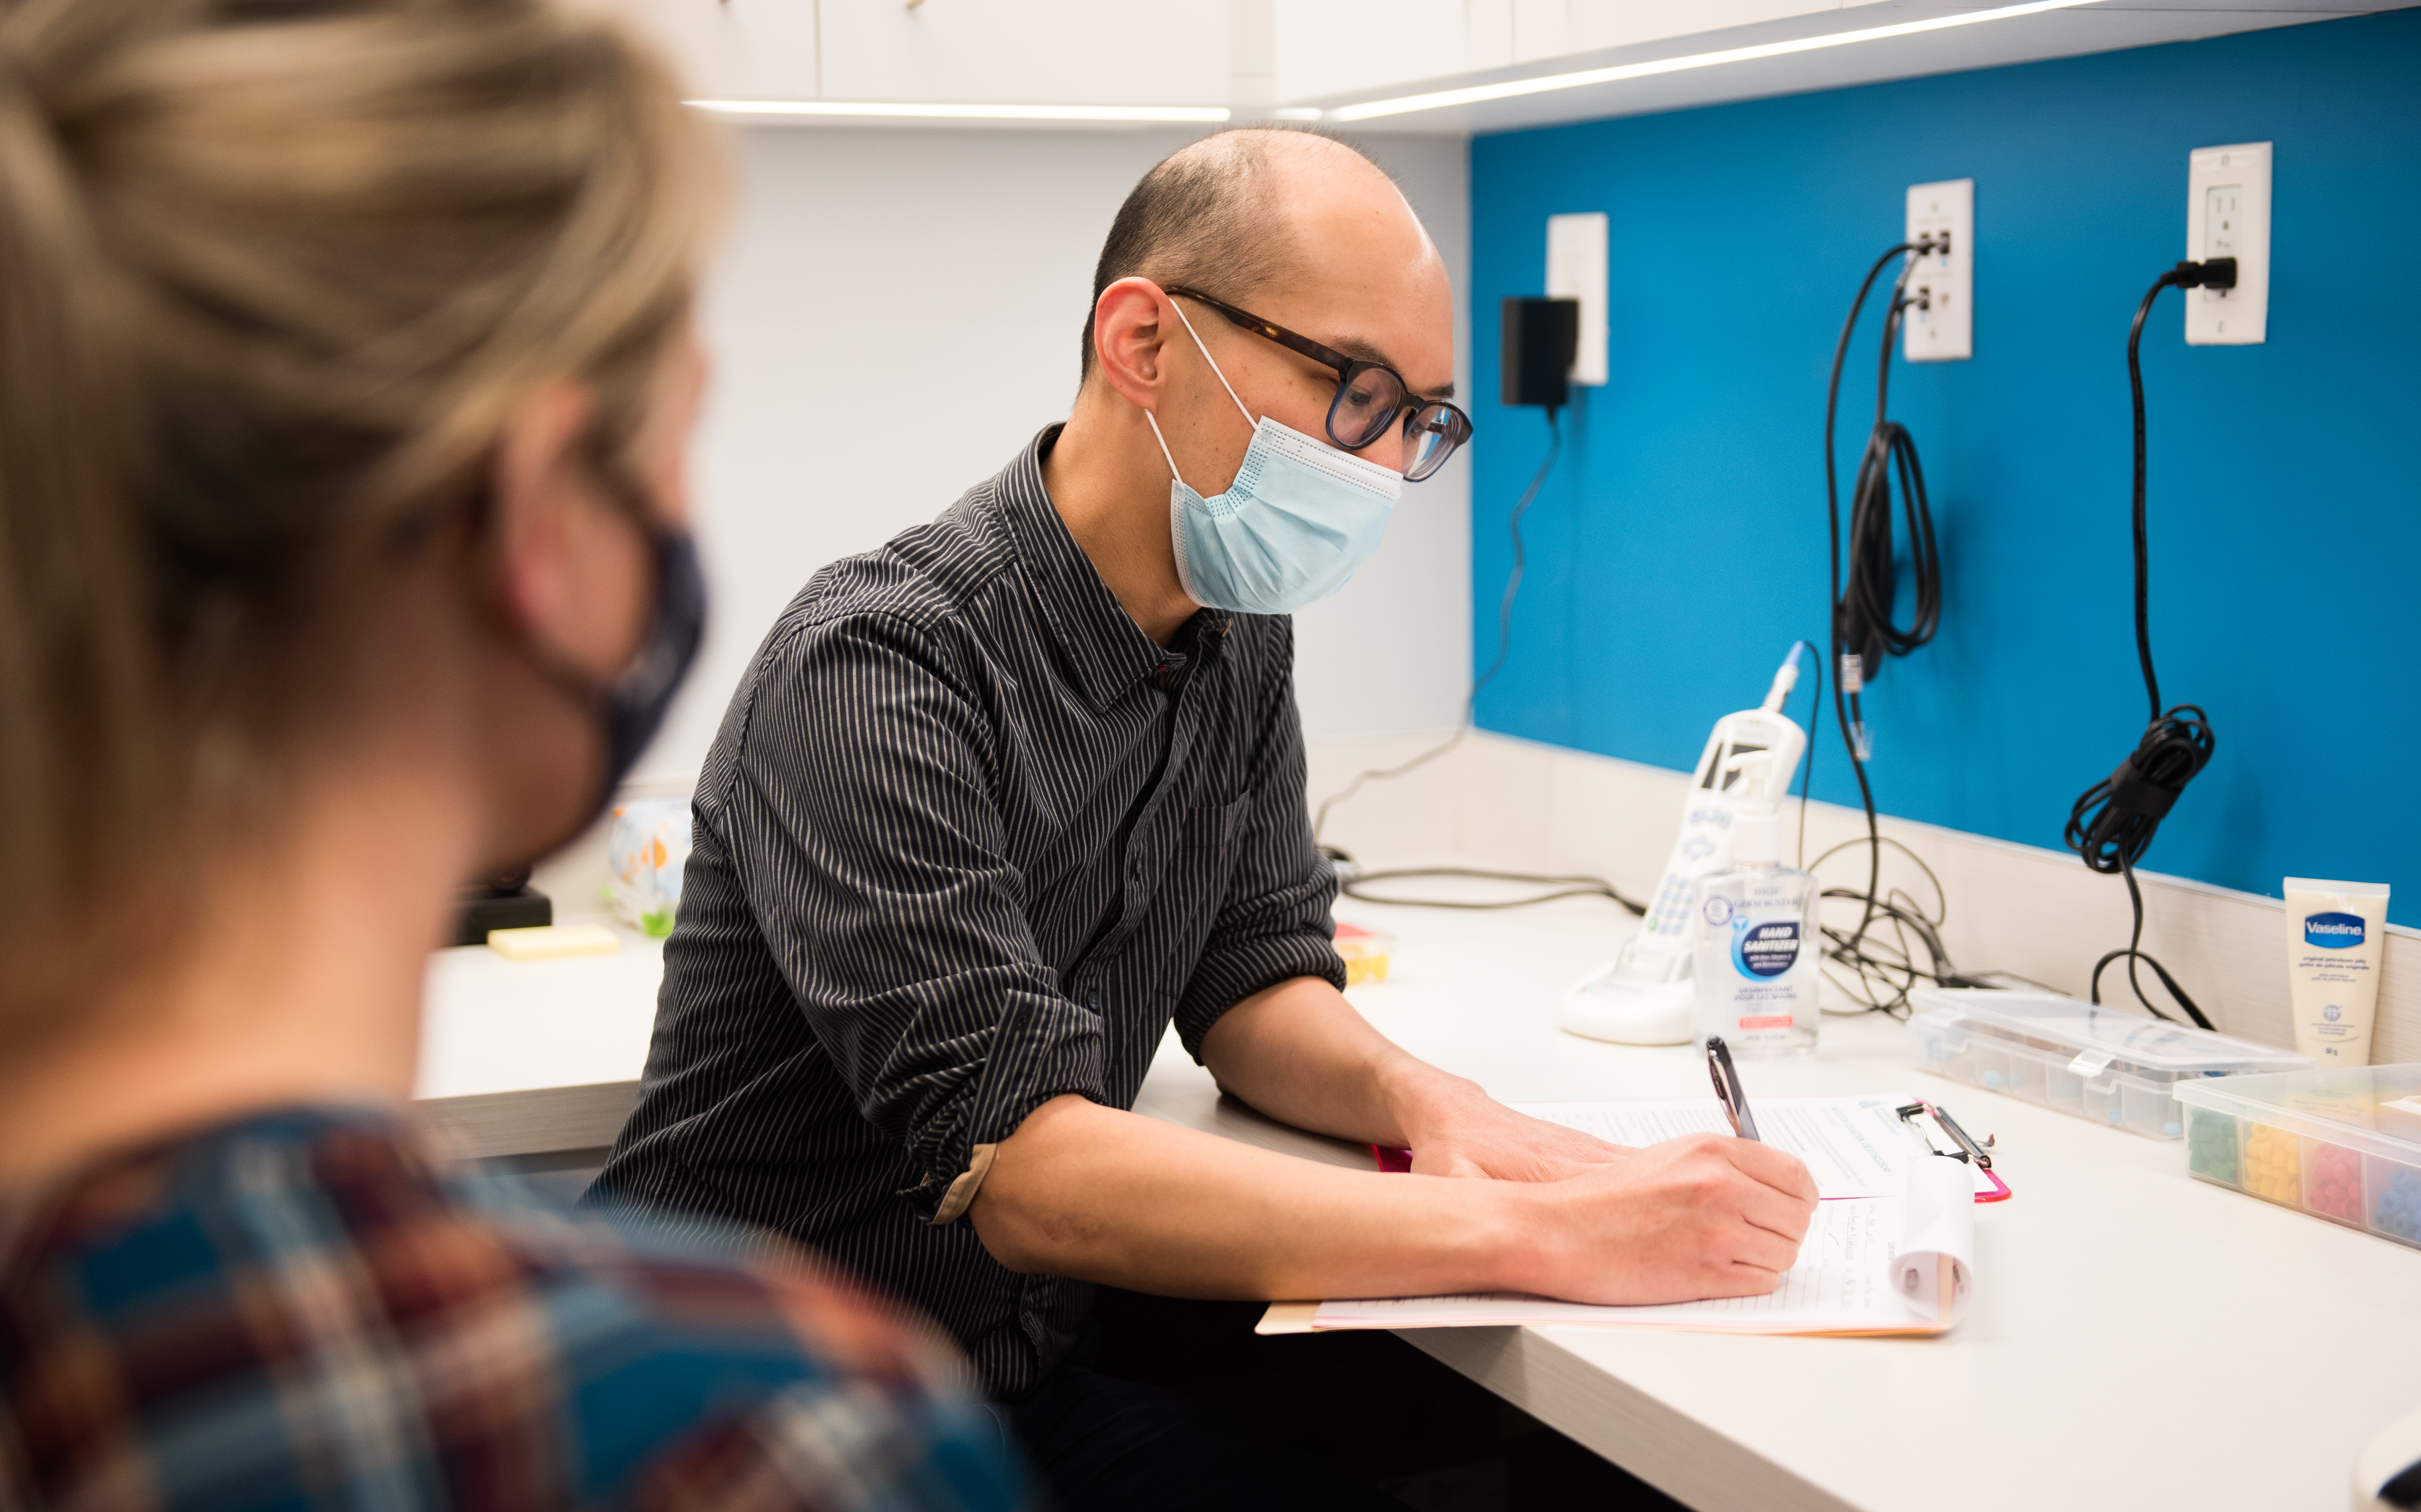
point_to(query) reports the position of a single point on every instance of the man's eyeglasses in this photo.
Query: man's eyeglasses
(1369, 397)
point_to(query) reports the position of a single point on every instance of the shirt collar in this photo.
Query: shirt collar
(1106, 650)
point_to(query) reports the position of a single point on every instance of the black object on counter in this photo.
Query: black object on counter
(515, 906)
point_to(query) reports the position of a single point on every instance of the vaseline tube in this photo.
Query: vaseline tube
(2337, 941)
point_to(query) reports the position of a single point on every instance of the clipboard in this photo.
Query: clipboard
(1927, 1120)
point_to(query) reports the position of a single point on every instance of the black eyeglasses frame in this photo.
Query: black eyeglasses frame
(1437, 416)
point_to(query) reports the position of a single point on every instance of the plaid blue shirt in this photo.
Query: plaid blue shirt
(305, 1309)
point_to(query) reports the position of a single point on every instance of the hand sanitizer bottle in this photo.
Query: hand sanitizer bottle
(1757, 964)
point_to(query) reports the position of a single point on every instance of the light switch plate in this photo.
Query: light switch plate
(2227, 215)
(1576, 269)
(1945, 330)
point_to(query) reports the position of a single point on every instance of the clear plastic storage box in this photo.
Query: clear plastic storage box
(2098, 1063)
(2342, 1144)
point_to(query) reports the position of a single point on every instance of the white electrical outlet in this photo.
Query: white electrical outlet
(1941, 321)
(2227, 215)
(1576, 269)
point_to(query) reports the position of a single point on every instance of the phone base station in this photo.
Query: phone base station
(1601, 1006)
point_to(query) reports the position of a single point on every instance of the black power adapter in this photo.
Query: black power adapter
(1542, 336)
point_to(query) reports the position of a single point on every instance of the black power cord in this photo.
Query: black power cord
(1881, 957)
(2113, 823)
(1867, 630)
(1884, 972)
(1354, 879)
(1358, 886)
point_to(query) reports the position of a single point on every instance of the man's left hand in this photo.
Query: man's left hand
(1458, 1130)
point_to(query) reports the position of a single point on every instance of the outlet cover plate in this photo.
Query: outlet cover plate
(2227, 215)
(1945, 330)
(1576, 269)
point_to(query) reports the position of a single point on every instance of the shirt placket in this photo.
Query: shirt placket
(1149, 841)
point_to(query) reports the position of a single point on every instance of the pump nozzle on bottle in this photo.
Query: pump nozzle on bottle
(1757, 838)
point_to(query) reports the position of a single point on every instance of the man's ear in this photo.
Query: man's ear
(1131, 329)
(538, 479)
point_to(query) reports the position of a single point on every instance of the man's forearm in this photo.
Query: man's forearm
(1085, 1191)
(1300, 1053)
(1088, 1192)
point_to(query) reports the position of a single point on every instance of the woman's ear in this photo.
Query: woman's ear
(1131, 329)
(540, 486)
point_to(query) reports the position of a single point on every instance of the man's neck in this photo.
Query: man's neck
(1109, 482)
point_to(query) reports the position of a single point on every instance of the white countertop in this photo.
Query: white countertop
(496, 1025)
(2137, 1339)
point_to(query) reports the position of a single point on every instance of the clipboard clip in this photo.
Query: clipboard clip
(1927, 1119)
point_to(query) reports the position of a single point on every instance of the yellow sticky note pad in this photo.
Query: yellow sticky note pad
(554, 942)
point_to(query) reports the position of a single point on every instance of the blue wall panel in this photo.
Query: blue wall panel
(1679, 547)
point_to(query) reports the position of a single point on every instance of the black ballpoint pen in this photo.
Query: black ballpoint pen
(1727, 1088)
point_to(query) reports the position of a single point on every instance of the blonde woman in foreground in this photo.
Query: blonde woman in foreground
(345, 380)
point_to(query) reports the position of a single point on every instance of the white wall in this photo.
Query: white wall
(894, 313)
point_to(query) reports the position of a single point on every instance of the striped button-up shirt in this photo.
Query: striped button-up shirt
(968, 840)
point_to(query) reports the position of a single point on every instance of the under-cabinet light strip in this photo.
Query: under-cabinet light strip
(1440, 98)
(887, 110)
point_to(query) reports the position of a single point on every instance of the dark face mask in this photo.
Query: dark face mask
(633, 706)
(629, 707)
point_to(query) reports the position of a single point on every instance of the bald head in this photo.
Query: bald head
(1249, 210)
(1310, 237)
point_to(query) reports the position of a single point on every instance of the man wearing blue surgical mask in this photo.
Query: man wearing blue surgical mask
(1001, 802)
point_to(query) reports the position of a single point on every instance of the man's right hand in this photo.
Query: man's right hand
(1701, 1216)
(1099, 1195)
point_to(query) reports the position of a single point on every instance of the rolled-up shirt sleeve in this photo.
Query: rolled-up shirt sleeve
(873, 855)
(1273, 922)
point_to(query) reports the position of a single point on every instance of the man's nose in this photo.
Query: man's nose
(1388, 450)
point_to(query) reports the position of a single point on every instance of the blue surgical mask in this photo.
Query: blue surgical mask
(1289, 530)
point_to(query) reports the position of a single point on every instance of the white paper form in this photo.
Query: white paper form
(1853, 1146)
(1868, 1265)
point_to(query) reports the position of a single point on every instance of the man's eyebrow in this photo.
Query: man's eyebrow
(1356, 347)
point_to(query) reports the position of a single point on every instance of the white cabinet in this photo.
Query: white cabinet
(1018, 52)
(1332, 47)
(1589, 24)
(1326, 47)
(739, 50)
(1249, 55)
(1028, 52)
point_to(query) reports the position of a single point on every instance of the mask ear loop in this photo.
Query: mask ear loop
(1213, 362)
(1223, 383)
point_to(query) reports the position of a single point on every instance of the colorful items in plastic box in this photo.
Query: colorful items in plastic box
(2273, 1165)
(647, 849)
(2398, 1210)
(1363, 952)
(2335, 1187)
(2210, 1146)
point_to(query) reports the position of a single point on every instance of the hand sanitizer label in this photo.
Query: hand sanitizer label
(1764, 947)
(1755, 965)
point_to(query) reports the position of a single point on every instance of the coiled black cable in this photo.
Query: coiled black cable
(1871, 501)
(2113, 823)
(1869, 631)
